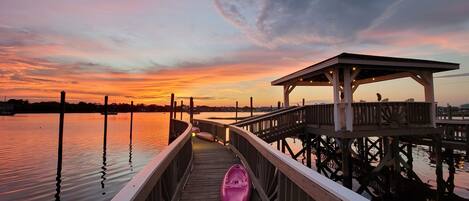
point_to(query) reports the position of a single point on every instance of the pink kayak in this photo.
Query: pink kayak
(236, 184)
(205, 136)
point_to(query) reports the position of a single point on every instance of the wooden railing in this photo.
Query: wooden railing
(164, 176)
(392, 113)
(215, 128)
(268, 127)
(455, 131)
(275, 176)
(320, 114)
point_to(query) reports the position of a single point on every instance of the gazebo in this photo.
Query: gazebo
(346, 72)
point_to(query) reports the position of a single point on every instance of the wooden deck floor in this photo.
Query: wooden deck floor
(211, 161)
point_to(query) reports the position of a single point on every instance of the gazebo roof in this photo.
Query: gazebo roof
(370, 66)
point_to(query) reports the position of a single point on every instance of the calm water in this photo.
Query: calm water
(28, 155)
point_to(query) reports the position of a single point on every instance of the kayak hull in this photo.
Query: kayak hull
(236, 184)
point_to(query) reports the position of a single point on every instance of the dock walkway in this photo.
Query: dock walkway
(211, 161)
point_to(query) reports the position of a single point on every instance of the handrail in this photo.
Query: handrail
(263, 115)
(168, 171)
(292, 173)
(275, 176)
(269, 115)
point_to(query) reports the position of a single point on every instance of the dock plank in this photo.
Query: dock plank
(211, 161)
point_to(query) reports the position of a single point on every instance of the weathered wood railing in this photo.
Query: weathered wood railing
(164, 176)
(392, 113)
(374, 114)
(320, 114)
(269, 127)
(276, 176)
(455, 131)
(215, 128)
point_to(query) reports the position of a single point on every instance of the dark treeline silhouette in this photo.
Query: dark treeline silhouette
(24, 106)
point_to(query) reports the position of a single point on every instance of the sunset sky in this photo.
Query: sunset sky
(219, 51)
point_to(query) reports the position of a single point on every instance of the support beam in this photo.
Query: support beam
(348, 97)
(430, 94)
(384, 78)
(287, 89)
(426, 80)
(336, 95)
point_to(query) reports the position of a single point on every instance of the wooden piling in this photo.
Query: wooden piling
(61, 131)
(278, 105)
(467, 141)
(105, 121)
(171, 107)
(346, 163)
(303, 102)
(182, 108)
(236, 112)
(191, 110)
(131, 119)
(308, 150)
(440, 182)
(251, 106)
(175, 109)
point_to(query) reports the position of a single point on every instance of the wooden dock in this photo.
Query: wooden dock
(211, 161)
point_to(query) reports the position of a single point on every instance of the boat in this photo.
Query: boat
(236, 184)
(205, 136)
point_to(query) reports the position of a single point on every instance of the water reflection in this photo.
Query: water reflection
(58, 184)
(103, 170)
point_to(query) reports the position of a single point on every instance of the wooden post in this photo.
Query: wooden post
(175, 109)
(251, 106)
(105, 121)
(318, 153)
(131, 119)
(171, 107)
(303, 102)
(283, 145)
(450, 113)
(60, 145)
(346, 163)
(439, 167)
(348, 97)
(308, 149)
(236, 112)
(191, 110)
(182, 108)
(335, 86)
(278, 105)
(467, 141)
